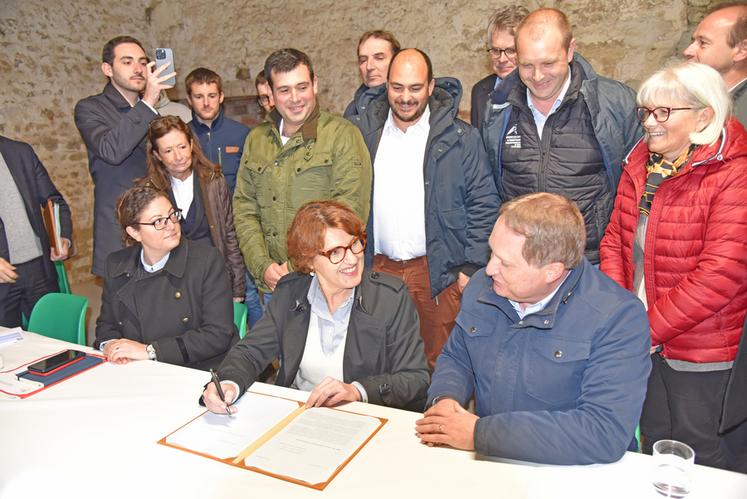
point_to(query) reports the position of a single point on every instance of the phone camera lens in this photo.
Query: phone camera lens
(160, 54)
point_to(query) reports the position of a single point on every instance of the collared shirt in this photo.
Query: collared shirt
(498, 81)
(156, 266)
(399, 191)
(737, 84)
(184, 192)
(539, 118)
(540, 305)
(325, 341)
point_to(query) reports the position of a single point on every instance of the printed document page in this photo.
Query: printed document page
(223, 436)
(314, 444)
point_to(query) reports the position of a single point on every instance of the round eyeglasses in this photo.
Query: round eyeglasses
(661, 114)
(337, 254)
(160, 223)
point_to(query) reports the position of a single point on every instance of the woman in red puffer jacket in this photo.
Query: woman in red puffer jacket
(678, 239)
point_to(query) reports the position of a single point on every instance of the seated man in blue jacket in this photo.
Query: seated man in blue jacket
(555, 353)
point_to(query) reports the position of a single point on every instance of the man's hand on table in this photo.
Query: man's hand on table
(447, 423)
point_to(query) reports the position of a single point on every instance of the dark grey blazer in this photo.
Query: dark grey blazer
(185, 310)
(114, 135)
(35, 187)
(479, 99)
(383, 350)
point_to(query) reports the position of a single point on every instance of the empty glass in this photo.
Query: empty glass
(673, 467)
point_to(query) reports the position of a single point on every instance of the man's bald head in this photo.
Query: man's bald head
(414, 57)
(409, 85)
(545, 22)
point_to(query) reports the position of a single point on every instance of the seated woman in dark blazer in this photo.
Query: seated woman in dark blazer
(165, 298)
(341, 332)
(177, 166)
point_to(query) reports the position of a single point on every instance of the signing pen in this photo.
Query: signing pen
(222, 395)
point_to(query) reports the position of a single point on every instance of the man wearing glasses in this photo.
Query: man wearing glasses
(264, 94)
(554, 125)
(502, 50)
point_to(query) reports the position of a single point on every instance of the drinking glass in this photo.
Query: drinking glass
(673, 468)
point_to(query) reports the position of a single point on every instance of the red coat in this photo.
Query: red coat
(695, 254)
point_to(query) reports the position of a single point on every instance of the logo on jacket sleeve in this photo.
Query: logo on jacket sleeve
(512, 139)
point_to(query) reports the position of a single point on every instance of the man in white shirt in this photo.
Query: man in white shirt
(434, 201)
(720, 41)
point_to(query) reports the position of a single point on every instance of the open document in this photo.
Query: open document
(279, 437)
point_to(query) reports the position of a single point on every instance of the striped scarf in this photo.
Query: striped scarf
(658, 170)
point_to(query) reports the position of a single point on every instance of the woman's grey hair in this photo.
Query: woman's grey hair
(695, 85)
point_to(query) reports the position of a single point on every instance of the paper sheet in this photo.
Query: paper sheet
(223, 436)
(314, 444)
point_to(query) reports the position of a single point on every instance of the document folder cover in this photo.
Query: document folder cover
(88, 362)
(279, 437)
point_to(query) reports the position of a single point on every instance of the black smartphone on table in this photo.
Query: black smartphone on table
(55, 362)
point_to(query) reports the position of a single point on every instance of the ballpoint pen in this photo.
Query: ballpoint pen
(222, 395)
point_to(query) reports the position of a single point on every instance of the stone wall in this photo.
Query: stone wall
(50, 55)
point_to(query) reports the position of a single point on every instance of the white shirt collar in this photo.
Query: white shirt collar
(557, 102)
(423, 124)
(156, 266)
(540, 305)
(737, 84)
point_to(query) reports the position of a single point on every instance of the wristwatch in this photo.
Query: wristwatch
(151, 352)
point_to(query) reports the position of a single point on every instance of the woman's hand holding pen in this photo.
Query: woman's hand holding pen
(213, 401)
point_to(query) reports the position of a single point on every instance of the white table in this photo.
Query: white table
(95, 436)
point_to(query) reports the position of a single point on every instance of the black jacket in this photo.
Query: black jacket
(36, 188)
(479, 99)
(383, 350)
(185, 310)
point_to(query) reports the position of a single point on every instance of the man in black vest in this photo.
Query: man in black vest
(26, 269)
(555, 126)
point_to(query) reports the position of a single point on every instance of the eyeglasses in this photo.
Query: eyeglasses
(337, 254)
(661, 114)
(161, 223)
(497, 53)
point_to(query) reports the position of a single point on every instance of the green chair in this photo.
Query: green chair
(62, 277)
(239, 318)
(62, 282)
(60, 316)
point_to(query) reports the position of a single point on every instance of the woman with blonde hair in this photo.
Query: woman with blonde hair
(677, 238)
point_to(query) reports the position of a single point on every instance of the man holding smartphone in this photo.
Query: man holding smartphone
(113, 125)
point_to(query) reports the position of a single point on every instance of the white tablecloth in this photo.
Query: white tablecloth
(95, 436)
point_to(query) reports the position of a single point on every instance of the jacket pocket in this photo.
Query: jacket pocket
(553, 369)
(313, 178)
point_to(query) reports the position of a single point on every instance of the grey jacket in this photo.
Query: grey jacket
(383, 350)
(739, 99)
(114, 135)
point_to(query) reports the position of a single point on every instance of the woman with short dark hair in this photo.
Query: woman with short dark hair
(340, 332)
(165, 298)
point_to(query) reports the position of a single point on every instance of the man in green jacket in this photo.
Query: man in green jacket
(300, 154)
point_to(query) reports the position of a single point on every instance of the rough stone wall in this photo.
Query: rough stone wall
(50, 59)
(51, 50)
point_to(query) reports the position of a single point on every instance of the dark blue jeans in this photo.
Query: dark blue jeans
(20, 297)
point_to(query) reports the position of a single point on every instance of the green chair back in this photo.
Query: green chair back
(239, 318)
(60, 316)
(62, 277)
(63, 284)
